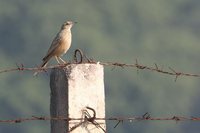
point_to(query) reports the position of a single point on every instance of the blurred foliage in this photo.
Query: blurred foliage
(156, 31)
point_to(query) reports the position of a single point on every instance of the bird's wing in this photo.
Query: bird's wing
(55, 43)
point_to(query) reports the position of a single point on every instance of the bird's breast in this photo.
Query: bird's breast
(66, 42)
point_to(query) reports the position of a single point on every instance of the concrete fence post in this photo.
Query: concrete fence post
(74, 88)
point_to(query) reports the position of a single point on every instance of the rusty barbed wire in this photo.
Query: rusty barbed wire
(98, 121)
(85, 59)
(144, 117)
(171, 71)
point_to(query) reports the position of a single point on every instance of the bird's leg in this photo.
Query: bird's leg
(62, 60)
(57, 59)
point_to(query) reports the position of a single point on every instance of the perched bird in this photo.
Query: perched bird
(59, 45)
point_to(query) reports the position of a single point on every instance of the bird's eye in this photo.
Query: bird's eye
(66, 23)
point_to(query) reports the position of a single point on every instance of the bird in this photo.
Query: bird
(60, 44)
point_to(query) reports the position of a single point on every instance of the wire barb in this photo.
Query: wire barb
(119, 121)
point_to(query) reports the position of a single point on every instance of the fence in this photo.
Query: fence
(90, 114)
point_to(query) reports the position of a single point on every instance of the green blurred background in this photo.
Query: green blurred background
(166, 32)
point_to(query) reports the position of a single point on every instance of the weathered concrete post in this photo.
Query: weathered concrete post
(74, 88)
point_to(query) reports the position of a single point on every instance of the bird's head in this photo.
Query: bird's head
(68, 25)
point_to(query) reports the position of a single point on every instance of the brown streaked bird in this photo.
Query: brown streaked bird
(59, 45)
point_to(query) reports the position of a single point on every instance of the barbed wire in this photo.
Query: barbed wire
(145, 117)
(154, 69)
(85, 59)
(97, 122)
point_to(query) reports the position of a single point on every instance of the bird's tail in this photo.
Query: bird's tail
(44, 63)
